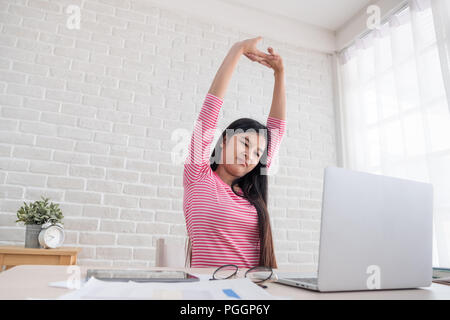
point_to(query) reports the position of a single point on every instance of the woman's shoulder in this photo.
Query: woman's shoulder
(203, 176)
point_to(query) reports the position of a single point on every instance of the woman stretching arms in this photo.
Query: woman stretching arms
(225, 194)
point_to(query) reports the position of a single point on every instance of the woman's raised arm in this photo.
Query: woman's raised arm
(223, 75)
(275, 62)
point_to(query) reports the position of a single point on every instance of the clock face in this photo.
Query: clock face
(53, 237)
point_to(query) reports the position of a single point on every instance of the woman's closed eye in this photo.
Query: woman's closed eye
(246, 145)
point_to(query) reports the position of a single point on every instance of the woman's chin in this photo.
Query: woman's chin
(236, 169)
(242, 169)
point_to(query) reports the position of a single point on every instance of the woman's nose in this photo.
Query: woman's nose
(248, 159)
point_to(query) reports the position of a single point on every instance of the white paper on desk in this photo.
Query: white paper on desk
(202, 276)
(64, 284)
(200, 290)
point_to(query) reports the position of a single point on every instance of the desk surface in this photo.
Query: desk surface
(31, 281)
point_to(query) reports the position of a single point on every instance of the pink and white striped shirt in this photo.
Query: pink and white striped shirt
(222, 226)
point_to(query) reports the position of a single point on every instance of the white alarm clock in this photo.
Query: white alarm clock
(51, 236)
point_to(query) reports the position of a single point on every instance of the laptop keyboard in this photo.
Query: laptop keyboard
(307, 280)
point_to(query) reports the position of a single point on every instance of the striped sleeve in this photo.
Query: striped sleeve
(198, 153)
(277, 129)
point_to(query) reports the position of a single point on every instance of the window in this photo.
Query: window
(396, 118)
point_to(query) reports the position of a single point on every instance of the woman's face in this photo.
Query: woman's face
(242, 152)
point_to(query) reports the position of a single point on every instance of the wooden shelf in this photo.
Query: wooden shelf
(11, 256)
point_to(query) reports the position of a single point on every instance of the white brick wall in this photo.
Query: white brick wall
(87, 118)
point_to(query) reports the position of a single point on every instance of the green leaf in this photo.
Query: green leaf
(39, 212)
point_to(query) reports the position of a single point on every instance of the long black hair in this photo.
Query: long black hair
(254, 185)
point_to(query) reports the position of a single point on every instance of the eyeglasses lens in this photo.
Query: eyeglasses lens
(259, 274)
(225, 272)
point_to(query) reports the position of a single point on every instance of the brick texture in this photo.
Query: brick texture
(99, 119)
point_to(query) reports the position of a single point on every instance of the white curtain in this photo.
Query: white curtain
(441, 17)
(395, 110)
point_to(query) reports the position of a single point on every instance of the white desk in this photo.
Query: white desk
(31, 281)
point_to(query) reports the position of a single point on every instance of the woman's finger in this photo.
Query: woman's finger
(261, 60)
(273, 55)
(265, 63)
(250, 57)
(253, 57)
(258, 58)
(260, 54)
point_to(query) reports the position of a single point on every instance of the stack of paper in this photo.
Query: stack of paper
(202, 290)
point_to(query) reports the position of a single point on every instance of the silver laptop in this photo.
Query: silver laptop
(376, 233)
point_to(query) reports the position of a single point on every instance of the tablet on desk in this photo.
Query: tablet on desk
(140, 275)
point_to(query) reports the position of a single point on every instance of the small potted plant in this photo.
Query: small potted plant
(34, 215)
